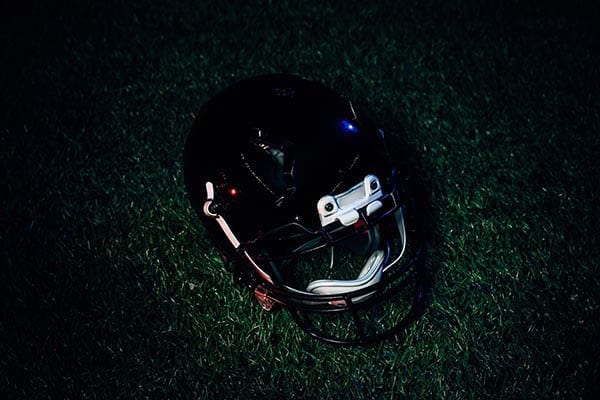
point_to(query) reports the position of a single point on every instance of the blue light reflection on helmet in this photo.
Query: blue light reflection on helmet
(348, 127)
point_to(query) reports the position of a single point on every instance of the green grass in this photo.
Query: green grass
(110, 290)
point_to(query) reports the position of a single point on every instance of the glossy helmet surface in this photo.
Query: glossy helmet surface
(299, 193)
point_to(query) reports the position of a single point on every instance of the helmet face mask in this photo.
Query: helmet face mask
(300, 192)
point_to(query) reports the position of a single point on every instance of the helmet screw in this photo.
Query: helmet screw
(373, 185)
(328, 207)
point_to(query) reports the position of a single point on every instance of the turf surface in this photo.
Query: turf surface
(110, 290)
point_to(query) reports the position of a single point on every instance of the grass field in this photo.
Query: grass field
(110, 290)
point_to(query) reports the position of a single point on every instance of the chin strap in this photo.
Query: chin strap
(369, 275)
(209, 212)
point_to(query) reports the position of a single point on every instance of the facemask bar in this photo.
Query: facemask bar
(302, 299)
(361, 336)
(305, 314)
(210, 211)
(332, 234)
(326, 236)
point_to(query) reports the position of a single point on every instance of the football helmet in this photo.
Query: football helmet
(298, 191)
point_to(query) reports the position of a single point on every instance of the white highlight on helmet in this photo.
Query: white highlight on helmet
(344, 207)
(352, 109)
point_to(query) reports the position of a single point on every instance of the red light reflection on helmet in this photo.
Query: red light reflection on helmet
(359, 224)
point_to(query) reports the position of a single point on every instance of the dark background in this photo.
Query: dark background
(109, 288)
